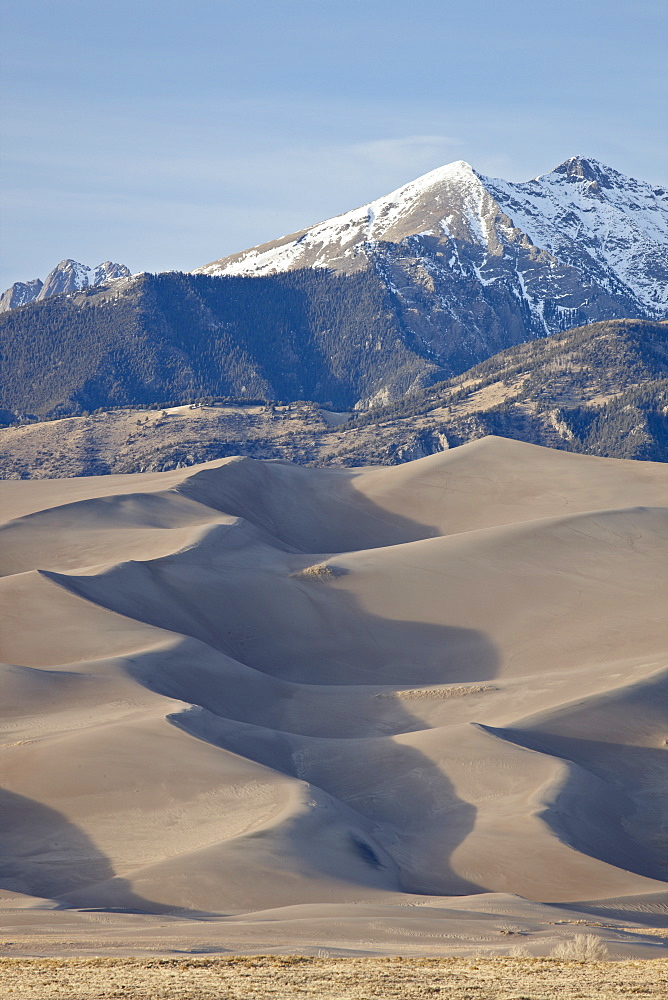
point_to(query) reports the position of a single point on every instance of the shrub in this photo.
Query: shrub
(319, 571)
(581, 948)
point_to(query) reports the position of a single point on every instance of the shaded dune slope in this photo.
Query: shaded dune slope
(257, 685)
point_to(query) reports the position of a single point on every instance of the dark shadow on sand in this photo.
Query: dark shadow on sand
(405, 802)
(44, 854)
(611, 807)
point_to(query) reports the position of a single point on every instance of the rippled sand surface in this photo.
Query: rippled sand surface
(410, 710)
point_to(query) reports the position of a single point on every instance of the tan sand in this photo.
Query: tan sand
(456, 722)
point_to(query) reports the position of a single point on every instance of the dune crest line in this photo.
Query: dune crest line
(254, 686)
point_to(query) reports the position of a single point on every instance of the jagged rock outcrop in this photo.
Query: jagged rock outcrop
(108, 271)
(68, 276)
(19, 294)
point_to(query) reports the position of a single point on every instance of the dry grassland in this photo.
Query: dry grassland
(287, 977)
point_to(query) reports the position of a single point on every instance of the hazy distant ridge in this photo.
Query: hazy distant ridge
(68, 276)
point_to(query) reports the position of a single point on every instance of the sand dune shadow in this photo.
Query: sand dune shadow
(45, 855)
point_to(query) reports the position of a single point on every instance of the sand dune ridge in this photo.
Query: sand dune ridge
(464, 698)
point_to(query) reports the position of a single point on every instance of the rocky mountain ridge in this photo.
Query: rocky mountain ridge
(598, 221)
(414, 288)
(68, 276)
(476, 264)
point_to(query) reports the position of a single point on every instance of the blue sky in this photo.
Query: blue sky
(166, 134)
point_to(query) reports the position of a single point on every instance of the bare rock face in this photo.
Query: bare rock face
(68, 276)
(19, 294)
(611, 228)
(476, 264)
(109, 272)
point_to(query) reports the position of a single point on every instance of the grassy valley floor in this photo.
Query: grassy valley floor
(251, 977)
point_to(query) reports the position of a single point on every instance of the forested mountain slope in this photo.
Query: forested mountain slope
(311, 334)
(418, 286)
(600, 390)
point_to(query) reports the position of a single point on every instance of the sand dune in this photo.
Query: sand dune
(251, 688)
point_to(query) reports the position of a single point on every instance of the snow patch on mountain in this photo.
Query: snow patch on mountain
(592, 217)
(68, 276)
(582, 226)
(20, 294)
(415, 208)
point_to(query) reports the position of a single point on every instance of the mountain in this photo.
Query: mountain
(601, 390)
(600, 222)
(108, 271)
(598, 390)
(20, 293)
(476, 264)
(142, 340)
(68, 276)
(414, 288)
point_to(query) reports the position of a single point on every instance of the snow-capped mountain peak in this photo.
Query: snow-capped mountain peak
(611, 227)
(68, 276)
(474, 263)
(580, 168)
(594, 226)
(71, 276)
(452, 195)
(109, 271)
